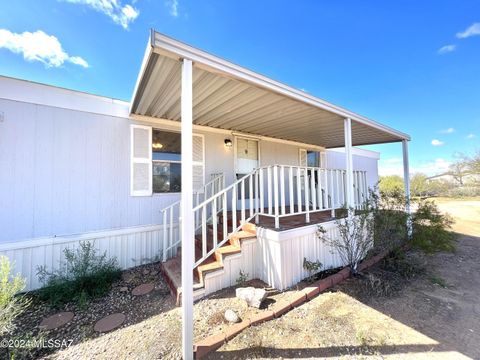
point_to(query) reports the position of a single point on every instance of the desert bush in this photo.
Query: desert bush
(11, 304)
(464, 191)
(82, 276)
(390, 227)
(355, 240)
(431, 228)
(407, 265)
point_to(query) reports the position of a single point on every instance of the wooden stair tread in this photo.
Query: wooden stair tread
(228, 249)
(242, 234)
(214, 265)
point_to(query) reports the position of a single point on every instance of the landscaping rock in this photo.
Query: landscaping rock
(56, 320)
(231, 316)
(143, 289)
(123, 289)
(253, 297)
(109, 322)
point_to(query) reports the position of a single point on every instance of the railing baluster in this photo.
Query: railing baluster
(164, 214)
(307, 199)
(275, 195)
(204, 230)
(290, 189)
(299, 190)
(282, 188)
(337, 179)
(327, 192)
(313, 190)
(269, 189)
(319, 188)
(257, 197)
(332, 192)
(214, 222)
(171, 227)
(250, 194)
(225, 216)
(234, 208)
(262, 192)
(242, 201)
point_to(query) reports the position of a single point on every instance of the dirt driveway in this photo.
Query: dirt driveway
(436, 316)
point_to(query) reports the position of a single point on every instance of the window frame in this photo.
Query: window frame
(161, 193)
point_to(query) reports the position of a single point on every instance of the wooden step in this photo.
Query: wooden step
(171, 269)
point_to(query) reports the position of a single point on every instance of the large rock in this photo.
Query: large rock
(253, 297)
(231, 316)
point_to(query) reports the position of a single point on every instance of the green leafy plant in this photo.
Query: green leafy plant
(82, 276)
(388, 210)
(431, 228)
(242, 277)
(11, 304)
(312, 267)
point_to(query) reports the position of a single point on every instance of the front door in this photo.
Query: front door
(246, 160)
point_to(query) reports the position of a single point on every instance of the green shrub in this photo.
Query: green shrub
(388, 209)
(431, 228)
(82, 276)
(312, 267)
(11, 304)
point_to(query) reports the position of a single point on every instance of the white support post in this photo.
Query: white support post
(350, 202)
(406, 180)
(187, 224)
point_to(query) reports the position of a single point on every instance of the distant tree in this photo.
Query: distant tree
(473, 163)
(390, 184)
(458, 170)
(419, 185)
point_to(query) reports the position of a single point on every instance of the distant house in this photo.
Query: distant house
(265, 168)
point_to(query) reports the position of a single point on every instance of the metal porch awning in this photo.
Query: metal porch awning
(230, 97)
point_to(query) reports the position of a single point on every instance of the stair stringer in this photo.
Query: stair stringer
(232, 265)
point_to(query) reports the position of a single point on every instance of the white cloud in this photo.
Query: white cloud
(38, 46)
(471, 136)
(436, 142)
(173, 7)
(121, 14)
(472, 30)
(446, 49)
(450, 130)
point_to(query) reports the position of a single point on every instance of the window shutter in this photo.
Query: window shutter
(323, 159)
(302, 157)
(198, 169)
(141, 160)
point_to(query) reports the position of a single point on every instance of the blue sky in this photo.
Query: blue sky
(414, 65)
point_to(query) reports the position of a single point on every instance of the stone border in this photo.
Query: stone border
(213, 342)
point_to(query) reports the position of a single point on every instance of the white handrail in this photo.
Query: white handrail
(172, 211)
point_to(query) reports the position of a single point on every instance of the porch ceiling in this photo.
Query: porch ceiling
(229, 97)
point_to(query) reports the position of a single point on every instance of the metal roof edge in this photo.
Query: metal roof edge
(166, 45)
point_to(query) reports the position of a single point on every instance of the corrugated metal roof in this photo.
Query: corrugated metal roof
(229, 97)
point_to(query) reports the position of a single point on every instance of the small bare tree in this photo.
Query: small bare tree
(355, 240)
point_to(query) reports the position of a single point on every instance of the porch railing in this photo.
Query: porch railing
(170, 215)
(276, 191)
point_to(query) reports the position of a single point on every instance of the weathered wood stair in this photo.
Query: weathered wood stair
(171, 269)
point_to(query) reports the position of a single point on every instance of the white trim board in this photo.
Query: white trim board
(49, 95)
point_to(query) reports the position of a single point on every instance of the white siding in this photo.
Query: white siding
(280, 255)
(130, 246)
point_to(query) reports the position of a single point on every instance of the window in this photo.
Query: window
(155, 161)
(313, 158)
(166, 161)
